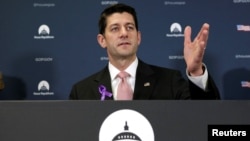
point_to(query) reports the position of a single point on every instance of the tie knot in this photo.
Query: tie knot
(123, 74)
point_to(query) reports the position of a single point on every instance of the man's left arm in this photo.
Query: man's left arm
(201, 84)
(203, 87)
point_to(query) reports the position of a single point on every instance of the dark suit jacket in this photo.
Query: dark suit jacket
(152, 82)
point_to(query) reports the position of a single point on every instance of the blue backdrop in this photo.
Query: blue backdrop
(48, 45)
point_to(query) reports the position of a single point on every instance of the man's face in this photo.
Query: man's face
(121, 37)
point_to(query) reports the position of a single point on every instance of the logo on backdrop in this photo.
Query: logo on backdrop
(175, 30)
(44, 33)
(175, 2)
(104, 58)
(47, 5)
(43, 88)
(43, 59)
(241, 1)
(109, 2)
(126, 125)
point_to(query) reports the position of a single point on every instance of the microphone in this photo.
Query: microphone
(1, 81)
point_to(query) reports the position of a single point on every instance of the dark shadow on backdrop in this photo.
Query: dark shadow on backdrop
(232, 84)
(14, 89)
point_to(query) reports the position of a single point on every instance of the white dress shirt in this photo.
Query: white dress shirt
(200, 81)
(131, 70)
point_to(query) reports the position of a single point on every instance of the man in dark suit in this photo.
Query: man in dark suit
(119, 35)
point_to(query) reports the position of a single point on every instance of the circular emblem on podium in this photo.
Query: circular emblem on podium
(126, 125)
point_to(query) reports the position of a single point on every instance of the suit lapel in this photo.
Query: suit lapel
(103, 78)
(145, 81)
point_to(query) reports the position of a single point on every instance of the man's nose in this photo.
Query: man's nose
(123, 32)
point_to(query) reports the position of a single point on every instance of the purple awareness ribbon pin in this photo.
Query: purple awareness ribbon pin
(104, 93)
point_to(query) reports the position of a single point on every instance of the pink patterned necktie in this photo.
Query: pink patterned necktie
(124, 91)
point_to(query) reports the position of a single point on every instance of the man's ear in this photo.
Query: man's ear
(101, 40)
(139, 38)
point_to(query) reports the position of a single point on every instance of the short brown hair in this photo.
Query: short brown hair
(117, 8)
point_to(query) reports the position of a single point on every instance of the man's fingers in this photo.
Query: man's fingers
(204, 29)
(187, 35)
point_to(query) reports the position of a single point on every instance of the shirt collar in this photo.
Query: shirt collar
(131, 69)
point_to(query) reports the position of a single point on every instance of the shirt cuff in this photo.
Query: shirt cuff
(200, 81)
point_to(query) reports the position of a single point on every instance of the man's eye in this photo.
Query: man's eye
(114, 29)
(130, 28)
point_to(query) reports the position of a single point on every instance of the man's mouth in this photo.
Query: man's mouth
(123, 43)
